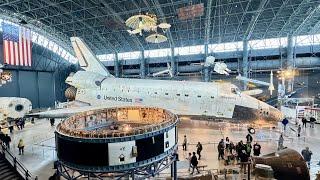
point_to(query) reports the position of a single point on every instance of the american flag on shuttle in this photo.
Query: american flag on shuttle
(16, 45)
(138, 100)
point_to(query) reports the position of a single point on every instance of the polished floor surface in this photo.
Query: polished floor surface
(40, 154)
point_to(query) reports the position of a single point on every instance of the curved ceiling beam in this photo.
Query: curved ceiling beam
(95, 32)
(254, 18)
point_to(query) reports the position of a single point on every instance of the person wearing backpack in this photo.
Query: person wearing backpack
(194, 163)
(199, 149)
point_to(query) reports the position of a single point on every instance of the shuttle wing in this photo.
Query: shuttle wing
(63, 113)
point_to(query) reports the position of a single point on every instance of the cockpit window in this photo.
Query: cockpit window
(236, 91)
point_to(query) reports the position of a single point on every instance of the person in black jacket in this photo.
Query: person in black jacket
(312, 122)
(199, 149)
(304, 122)
(194, 162)
(249, 138)
(1, 136)
(7, 140)
(238, 149)
(256, 149)
(221, 150)
(244, 156)
(52, 121)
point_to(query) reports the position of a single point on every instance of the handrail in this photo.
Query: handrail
(17, 165)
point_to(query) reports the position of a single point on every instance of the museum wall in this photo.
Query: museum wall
(43, 83)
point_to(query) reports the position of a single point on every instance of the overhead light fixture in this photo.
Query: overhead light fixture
(140, 21)
(164, 25)
(156, 38)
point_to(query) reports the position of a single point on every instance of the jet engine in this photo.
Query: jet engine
(14, 107)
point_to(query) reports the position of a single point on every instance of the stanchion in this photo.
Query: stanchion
(249, 173)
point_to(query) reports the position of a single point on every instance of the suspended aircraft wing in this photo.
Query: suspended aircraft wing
(242, 78)
(253, 92)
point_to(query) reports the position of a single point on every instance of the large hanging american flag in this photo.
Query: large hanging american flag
(16, 45)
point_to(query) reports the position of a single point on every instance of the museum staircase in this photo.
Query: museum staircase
(7, 171)
(11, 168)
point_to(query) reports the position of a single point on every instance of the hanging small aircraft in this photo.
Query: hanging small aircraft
(254, 81)
(219, 67)
(97, 88)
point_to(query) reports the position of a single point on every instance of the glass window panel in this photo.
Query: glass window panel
(64, 54)
(199, 49)
(256, 44)
(302, 40)
(316, 39)
(283, 41)
(188, 50)
(55, 47)
(106, 57)
(34, 36)
(129, 55)
(157, 53)
(225, 47)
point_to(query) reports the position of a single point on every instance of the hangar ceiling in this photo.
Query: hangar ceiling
(101, 22)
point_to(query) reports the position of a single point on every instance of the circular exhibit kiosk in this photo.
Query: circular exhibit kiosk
(135, 142)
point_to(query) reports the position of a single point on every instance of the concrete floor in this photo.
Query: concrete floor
(210, 133)
(40, 154)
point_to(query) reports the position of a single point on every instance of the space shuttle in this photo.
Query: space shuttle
(97, 88)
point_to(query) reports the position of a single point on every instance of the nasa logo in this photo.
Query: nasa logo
(98, 96)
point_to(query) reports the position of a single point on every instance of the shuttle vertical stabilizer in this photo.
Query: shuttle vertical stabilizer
(88, 61)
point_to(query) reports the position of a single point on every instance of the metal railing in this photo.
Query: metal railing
(16, 164)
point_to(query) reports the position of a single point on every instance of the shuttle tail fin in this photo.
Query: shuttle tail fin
(87, 60)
